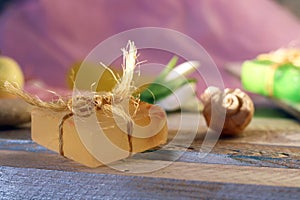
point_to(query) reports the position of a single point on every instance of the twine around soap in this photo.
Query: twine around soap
(104, 101)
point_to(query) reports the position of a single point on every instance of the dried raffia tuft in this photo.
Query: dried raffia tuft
(59, 105)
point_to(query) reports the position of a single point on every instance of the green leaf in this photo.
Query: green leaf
(158, 91)
(168, 68)
(161, 88)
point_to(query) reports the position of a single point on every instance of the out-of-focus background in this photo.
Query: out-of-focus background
(292, 5)
(47, 37)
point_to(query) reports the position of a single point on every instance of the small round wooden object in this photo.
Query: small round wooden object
(238, 106)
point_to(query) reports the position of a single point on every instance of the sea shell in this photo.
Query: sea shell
(238, 106)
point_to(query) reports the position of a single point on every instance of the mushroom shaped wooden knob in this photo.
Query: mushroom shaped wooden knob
(238, 106)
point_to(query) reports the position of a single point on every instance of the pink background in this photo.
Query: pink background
(47, 36)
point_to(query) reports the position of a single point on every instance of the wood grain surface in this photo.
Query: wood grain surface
(263, 163)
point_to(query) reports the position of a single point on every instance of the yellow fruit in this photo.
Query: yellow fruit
(10, 71)
(89, 74)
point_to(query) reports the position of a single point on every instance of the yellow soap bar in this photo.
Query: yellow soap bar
(45, 131)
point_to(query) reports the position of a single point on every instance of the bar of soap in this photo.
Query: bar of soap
(267, 78)
(150, 130)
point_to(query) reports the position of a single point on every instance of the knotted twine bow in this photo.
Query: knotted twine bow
(82, 106)
(279, 57)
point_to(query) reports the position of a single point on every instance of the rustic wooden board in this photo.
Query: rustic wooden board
(263, 163)
(227, 151)
(255, 148)
(223, 153)
(262, 130)
(190, 171)
(44, 184)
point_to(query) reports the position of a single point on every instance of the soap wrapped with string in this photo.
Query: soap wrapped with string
(98, 128)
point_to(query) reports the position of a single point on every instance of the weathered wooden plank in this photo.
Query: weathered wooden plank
(262, 130)
(21, 145)
(11, 158)
(177, 170)
(20, 183)
(282, 132)
(268, 140)
(232, 151)
(222, 153)
(269, 131)
(222, 158)
(242, 154)
(254, 154)
(230, 172)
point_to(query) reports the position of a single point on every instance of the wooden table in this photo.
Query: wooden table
(263, 163)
